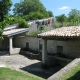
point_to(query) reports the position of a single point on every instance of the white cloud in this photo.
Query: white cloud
(63, 8)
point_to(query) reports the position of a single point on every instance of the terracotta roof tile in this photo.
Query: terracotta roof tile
(63, 31)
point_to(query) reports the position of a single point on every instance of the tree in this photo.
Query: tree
(61, 18)
(50, 13)
(25, 7)
(74, 15)
(34, 16)
(4, 8)
(74, 12)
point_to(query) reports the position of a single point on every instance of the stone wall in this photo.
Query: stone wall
(72, 48)
(0, 44)
(33, 43)
(21, 42)
(5, 43)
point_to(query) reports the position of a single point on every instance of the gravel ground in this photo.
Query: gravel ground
(26, 65)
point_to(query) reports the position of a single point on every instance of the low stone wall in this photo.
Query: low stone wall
(31, 55)
(62, 61)
(51, 61)
(65, 70)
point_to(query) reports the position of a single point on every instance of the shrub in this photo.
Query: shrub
(57, 24)
(34, 33)
(23, 24)
(42, 27)
(17, 19)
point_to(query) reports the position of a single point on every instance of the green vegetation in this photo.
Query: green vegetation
(8, 74)
(26, 7)
(27, 10)
(9, 20)
(34, 16)
(73, 75)
(73, 18)
(34, 33)
(23, 24)
(61, 18)
(4, 8)
(65, 24)
(50, 14)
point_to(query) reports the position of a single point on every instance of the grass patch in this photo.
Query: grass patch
(8, 74)
(73, 75)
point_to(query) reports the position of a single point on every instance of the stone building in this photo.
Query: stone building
(9, 33)
(67, 42)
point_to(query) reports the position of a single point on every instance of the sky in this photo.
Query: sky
(58, 7)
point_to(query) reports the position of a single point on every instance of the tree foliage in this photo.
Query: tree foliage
(4, 8)
(34, 16)
(9, 20)
(61, 18)
(74, 15)
(50, 13)
(74, 12)
(25, 7)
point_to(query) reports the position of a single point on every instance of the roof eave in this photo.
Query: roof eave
(12, 34)
(9, 35)
(59, 37)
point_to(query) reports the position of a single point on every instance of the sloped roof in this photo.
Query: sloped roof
(14, 31)
(13, 26)
(72, 31)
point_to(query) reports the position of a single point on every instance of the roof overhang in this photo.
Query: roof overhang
(60, 38)
(13, 32)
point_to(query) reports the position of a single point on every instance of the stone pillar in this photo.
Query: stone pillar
(10, 45)
(44, 54)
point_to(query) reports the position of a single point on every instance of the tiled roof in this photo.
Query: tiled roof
(71, 31)
(14, 31)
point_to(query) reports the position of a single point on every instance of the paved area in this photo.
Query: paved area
(24, 64)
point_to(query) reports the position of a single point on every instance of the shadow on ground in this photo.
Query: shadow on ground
(75, 77)
(37, 69)
(4, 53)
